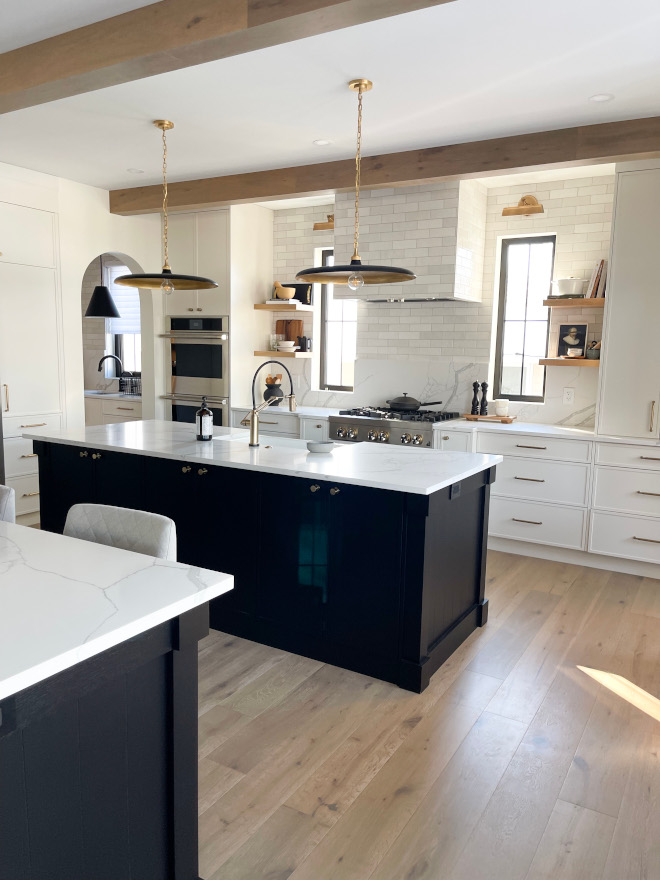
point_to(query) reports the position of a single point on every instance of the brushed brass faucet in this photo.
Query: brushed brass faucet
(251, 420)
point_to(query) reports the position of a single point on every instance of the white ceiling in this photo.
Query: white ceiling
(463, 71)
(38, 19)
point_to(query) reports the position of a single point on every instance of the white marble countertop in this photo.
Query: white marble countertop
(420, 471)
(319, 412)
(110, 395)
(63, 600)
(519, 427)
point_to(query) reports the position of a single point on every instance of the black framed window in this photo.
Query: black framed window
(338, 335)
(526, 267)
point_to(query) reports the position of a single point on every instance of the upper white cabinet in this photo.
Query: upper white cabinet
(27, 236)
(199, 245)
(29, 351)
(630, 380)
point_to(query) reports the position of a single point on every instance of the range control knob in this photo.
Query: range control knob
(383, 436)
(371, 435)
(341, 432)
(351, 433)
(406, 438)
(417, 439)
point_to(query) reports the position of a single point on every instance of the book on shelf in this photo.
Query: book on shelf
(600, 291)
(592, 280)
(595, 279)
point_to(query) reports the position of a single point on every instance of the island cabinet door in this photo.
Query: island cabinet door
(293, 556)
(366, 529)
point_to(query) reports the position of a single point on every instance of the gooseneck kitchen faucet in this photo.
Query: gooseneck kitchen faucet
(252, 418)
(114, 358)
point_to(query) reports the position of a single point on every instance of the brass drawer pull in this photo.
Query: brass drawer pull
(186, 470)
(84, 454)
(202, 471)
(445, 437)
(652, 420)
(31, 455)
(314, 488)
(522, 446)
(6, 387)
(127, 408)
(96, 455)
(649, 458)
(264, 422)
(335, 491)
(646, 540)
(531, 522)
(29, 494)
(529, 479)
(655, 494)
(38, 425)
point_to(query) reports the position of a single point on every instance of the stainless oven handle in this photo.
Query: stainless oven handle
(187, 335)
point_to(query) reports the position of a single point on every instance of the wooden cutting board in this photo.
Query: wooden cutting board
(294, 329)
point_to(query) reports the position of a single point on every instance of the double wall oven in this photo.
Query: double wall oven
(198, 366)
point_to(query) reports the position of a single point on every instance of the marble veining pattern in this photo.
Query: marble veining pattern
(420, 471)
(63, 600)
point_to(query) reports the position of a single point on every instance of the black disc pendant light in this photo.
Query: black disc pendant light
(355, 274)
(101, 305)
(167, 281)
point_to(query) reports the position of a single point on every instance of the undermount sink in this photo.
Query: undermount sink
(101, 393)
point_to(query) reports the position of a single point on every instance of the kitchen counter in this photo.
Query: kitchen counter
(63, 600)
(98, 708)
(319, 412)
(418, 471)
(371, 558)
(535, 428)
(111, 395)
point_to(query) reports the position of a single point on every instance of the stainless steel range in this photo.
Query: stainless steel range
(383, 425)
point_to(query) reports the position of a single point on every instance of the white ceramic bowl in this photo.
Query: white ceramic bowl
(569, 286)
(319, 446)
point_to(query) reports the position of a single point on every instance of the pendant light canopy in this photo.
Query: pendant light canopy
(355, 274)
(167, 281)
(101, 305)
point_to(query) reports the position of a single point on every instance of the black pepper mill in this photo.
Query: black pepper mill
(484, 400)
(475, 400)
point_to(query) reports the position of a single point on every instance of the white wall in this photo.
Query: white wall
(251, 249)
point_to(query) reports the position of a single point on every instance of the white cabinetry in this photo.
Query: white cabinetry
(108, 412)
(199, 245)
(284, 424)
(630, 380)
(27, 236)
(313, 428)
(452, 440)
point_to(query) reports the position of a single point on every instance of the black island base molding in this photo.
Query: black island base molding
(382, 582)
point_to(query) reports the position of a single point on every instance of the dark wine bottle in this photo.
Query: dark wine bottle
(204, 422)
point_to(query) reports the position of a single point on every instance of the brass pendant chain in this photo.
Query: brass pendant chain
(358, 157)
(165, 229)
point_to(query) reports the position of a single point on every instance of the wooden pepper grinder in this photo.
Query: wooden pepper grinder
(475, 400)
(484, 400)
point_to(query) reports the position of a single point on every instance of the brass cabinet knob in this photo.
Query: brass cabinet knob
(200, 310)
(186, 470)
(84, 454)
(96, 455)
(202, 471)
(318, 426)
(335, 491)
(190, 309)
(314, 488)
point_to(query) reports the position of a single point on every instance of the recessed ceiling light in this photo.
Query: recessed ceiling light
(601, 98)
(321, 142)
(135, 171)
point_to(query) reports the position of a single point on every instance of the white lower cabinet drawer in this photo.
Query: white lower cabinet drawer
(628, 456)
(127, 409)
(270, 422)
(633, 537)
(627, 490)
(538, 480)
(19, 457)
(531, 446)
(540, 523)
(313, 429)
(13, 426)
(27, 493)
(453, 441)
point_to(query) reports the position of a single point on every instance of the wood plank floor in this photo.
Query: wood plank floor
(513, 764)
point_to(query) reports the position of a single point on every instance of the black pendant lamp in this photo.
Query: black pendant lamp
(167, 281)
(101, 305)
(354, 274)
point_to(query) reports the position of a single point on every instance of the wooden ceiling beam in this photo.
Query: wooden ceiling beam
(171, 35)
(583, 145)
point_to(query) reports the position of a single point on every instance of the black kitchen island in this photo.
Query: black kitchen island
(371, 559)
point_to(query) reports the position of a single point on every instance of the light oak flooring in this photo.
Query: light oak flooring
(512, 765)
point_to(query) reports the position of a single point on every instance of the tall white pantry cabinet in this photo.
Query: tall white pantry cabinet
(30, 334)
(630, 372)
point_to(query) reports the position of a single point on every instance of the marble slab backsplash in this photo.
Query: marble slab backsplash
(450, 380)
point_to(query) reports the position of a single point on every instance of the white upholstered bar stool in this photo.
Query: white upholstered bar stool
(7, 504)
(137, 530)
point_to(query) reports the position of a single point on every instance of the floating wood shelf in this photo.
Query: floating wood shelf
(591, 303)
(570, 362)
(283, 354)
(284, 306)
